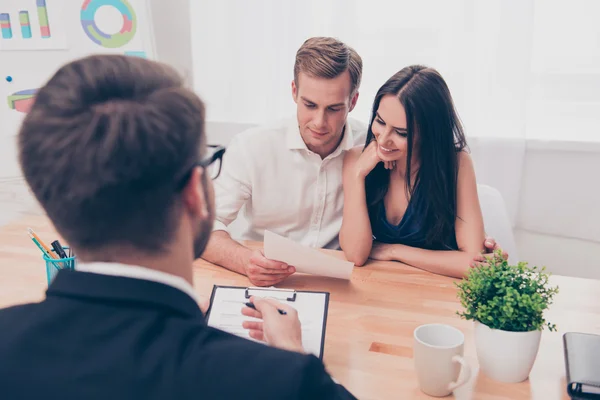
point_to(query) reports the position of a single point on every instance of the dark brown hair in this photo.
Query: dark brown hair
(326, 57)
(103, 147)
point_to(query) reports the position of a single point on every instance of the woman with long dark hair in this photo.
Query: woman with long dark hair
(410, 194)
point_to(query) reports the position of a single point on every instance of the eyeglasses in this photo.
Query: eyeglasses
(211, 164)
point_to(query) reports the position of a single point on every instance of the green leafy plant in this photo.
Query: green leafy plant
(507, 297)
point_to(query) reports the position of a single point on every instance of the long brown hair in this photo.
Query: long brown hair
(430, 115)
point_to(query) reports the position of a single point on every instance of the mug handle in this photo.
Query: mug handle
(466, 376)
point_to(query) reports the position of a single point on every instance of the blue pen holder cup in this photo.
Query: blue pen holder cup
(55, 265)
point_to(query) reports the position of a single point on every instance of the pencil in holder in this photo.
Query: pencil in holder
(53, 265)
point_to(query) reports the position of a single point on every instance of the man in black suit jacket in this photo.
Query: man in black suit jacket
(114, 150)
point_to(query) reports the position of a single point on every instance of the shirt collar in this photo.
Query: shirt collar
(294, 138)
(295, 141)
(137, 272)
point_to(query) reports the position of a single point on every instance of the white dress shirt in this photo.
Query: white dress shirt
(136, 272)
(285, 187)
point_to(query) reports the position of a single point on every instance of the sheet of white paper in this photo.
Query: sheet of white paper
(305, 259)
(226, 314)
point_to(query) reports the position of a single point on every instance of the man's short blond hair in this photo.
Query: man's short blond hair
(327, 57)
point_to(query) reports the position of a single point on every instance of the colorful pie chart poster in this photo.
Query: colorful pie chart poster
(32, 25)
(112, 25)
(21, 100)
(16, 98)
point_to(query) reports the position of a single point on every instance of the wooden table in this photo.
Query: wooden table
(371, 318)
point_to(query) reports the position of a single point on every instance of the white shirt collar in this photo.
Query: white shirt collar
(137, 272)
(295, 141)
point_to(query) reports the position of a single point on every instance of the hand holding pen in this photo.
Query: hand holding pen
(282, 330)
(252, 306)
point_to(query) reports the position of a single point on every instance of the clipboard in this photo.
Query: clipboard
(299, 299)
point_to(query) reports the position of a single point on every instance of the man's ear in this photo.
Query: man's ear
(294, 91)
(353, 101)
(194, 200)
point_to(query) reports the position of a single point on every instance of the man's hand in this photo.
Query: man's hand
(282, 331)
(264, 272)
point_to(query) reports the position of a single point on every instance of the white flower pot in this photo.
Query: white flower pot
(506, 356)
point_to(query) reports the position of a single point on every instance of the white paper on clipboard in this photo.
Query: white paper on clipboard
(305, 259)
(227, 303)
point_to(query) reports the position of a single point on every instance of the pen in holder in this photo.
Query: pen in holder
(53, 265)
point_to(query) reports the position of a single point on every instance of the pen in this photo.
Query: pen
(251, 305)
(58, 249)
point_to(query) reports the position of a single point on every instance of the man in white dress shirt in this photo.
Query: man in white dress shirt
(288, 175)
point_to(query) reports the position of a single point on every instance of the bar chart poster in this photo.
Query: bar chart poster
(32, 25)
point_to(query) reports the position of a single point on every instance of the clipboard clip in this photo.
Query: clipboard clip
(279, 294)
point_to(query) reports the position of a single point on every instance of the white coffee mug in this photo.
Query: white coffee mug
(438, 353)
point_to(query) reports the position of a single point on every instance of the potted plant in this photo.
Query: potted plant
(507, 303)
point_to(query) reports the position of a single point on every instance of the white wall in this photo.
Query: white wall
(171, 23)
